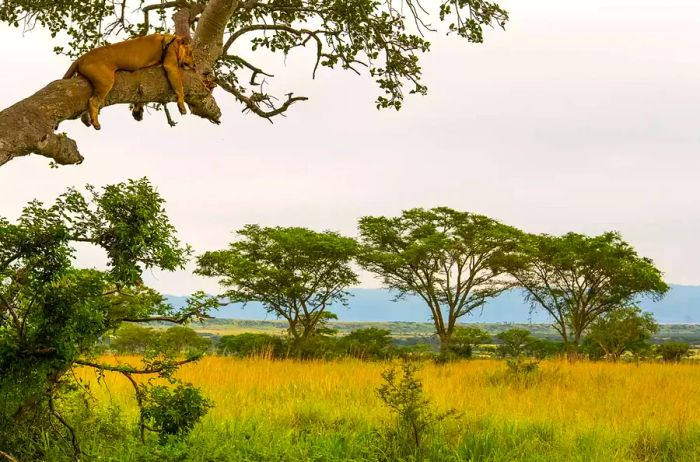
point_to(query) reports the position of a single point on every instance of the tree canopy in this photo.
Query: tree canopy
(622, 329)
(53, 312)
(451, 259)
(577, 278)
(296, 273)
(383, 39)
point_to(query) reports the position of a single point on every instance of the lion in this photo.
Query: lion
(99, 66)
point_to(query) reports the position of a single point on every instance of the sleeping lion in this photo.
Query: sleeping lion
(100, 65)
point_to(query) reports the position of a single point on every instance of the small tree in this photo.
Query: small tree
(182, 339)
(415, 418)
(296, 273)
(132, 338)
(249, 344)
(623, 329)
(451, 259)
(53, 312)
(577, 278)
(514, 342)
(465, 339)
(673, 351)
(368, 343)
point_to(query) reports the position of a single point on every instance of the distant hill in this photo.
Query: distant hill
(681, 305)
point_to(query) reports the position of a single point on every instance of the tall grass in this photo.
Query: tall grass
(314, 410)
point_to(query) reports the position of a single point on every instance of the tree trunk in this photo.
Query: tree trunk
(29, 125)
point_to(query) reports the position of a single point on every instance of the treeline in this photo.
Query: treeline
(377, 344)
(455, 261)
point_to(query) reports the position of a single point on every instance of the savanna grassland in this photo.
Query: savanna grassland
(329, 410)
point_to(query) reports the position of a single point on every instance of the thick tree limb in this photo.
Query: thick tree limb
(29, 125)
(7, 456)
(209, 36)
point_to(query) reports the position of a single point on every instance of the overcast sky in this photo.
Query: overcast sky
(582, 116)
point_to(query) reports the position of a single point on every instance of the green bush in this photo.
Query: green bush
(415, 417)
(673, 351)
(173, 411)
(464, 339)
(369, 343)
(249, 344)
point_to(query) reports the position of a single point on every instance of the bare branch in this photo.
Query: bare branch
(169, 118)
(256, 70)
(253, 104)
(159, 6)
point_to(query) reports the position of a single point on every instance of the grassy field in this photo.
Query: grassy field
(289, 410)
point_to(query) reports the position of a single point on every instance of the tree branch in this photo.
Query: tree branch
(133, 370)
(74, 439)
(253, 105)
(209, 36)
(172, 319)
(8, 456)
(28, 126)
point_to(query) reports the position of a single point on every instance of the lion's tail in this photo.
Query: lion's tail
(71, 70)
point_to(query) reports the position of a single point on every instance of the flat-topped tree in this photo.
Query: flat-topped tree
(451, 259)
(578, 278)
(295, 273)
(380, 38)
(53, 312)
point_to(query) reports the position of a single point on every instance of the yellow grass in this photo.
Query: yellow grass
(615, 398)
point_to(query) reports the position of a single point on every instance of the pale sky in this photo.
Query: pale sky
(582, 116)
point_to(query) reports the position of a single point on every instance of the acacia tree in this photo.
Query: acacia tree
(451, 259)
(296, 273)
(52, 312)
(381, 38)
(623, 329)
(578, 278)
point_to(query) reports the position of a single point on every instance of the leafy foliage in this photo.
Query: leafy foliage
(415, 418)
(173, 411)
(382, 37)
(451, 259)
(249, 344)
(465, 339)
(673, 351)
(623, 329)
(295, 273)
(577, 278)
(514, 342)
(52, 312)
(368, 343)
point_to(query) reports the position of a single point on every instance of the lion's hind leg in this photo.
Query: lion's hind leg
(102, 80)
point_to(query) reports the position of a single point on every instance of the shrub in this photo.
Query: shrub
(369, 343)
(252, 344)
(181, 339)
(173, 411)
(464, 339)
(514, 342)
(415, 417)
(131, 338)
(673, 351)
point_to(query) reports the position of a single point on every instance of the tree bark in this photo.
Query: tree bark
(29, 125)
